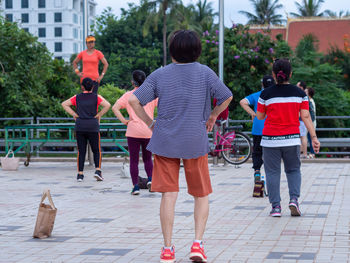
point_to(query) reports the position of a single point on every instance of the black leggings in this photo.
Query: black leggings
(257, 152)
(94, 140)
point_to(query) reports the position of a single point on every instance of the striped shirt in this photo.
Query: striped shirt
(184, 92)
(282, 104)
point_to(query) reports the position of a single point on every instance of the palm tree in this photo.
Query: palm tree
(265, 12)
(341, 13)
(204, 15)
(158, 9)
(308, 8)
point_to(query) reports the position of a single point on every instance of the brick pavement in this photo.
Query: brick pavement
(102, 222)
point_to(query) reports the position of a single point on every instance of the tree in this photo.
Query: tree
(265, 12)
(204, 15)
(158, 10)
(341, 13)
(308, 8)
(31, 82)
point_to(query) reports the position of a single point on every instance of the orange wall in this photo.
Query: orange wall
(329, 32)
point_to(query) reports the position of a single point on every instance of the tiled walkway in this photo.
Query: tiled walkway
(102, 222)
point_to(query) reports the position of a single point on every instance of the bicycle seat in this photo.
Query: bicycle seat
(236, 127)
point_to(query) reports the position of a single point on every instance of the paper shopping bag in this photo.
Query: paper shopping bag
(9, 163)
(46, 217)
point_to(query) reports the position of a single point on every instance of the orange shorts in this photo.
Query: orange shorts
(165, 176)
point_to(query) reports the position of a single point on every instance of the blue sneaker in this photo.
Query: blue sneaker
(276, 211)
(294, 207)
(135, 190)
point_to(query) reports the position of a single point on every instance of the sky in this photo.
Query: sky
(232, 7)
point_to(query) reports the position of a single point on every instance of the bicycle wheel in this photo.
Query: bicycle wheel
(239, 150)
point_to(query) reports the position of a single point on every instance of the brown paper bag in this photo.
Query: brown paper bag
(46, 217)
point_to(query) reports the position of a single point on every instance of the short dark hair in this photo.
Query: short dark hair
(303, 85)
(267, 81)
(311, 92)
(88, 84)
(138, 77)
(185, 46)
(282, 69)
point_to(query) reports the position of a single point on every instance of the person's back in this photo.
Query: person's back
(87, 107)
(283, 103)
(184, 92)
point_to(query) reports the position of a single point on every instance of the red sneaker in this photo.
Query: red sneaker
(167, 255)
(197, 253)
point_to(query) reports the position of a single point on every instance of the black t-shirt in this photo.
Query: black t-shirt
(87, 108)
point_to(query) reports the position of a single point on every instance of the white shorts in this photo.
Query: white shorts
(302, 128)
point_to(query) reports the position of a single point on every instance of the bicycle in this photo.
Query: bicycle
(234, 146)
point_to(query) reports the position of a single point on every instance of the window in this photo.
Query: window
(41, 3)
(25, 18)
(41, 17)
(58, 46)
(58, 17)
(44, 44)
(75, 33)
(58, 57)
(58, 31)
(9, 17)
(75, 18)
(25, 4)
(8, 4)
(42, 32)
(26, 29)
(75, 47)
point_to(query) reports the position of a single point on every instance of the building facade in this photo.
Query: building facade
(58, 24)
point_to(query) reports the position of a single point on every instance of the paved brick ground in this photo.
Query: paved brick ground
(102, 222)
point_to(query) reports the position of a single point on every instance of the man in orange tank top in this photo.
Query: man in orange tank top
(90, 59)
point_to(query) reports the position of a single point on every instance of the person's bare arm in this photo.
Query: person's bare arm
(245, 105)
(260, 115)
(306, 118)
(140, 111)
(67, 107)
(75, 67)
(215, 113)
(105, 67)
(105, 107)
(116, 110)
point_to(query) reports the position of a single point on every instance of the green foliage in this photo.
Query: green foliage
(309, 43)
(248, 58)
(32, 84)
(111, 93)
(308, 8)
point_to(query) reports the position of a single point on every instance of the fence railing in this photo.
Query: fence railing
(326, 142)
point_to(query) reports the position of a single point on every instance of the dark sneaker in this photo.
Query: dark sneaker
(257, 176)
(149, 184)
(80, 177)
(294, 207)
(276, 211)
(98, 175)
(135, 190)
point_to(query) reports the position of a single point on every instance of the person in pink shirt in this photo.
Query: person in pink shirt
(137, 132)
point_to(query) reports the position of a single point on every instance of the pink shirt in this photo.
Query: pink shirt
(136, 127)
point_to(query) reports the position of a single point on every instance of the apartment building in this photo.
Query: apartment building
(58, 24)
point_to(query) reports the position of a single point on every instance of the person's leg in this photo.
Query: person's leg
(291, 160)
(310, 143)
(303, 148)
(167, 213)
(272, 164)
(81, 144)
(147, 158)
(165, 179)
(257, 153)
(95, 143)
(134, 150)
(201, 213)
